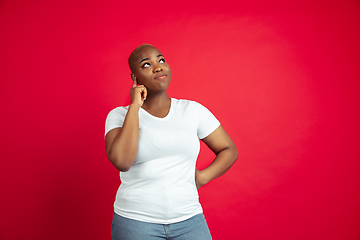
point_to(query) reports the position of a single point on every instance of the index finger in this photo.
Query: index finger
(134, 84)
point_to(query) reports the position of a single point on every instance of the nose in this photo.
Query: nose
(157, 68)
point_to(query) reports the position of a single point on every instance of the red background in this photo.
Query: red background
(282, 77)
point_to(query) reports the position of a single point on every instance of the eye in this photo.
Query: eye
(145, 65)
(162, 60)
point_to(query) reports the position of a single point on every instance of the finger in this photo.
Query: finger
(141, 88)
(134, 84)
(144, 93)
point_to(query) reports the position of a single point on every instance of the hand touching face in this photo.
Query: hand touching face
(138, 93)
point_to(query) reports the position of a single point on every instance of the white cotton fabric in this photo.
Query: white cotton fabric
(160, 185)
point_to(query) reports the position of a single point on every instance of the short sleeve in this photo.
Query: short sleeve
(115, 118)
(207, 121)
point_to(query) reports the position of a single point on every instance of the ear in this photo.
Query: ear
(133, 78)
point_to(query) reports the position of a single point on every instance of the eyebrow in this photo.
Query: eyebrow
(146, 59)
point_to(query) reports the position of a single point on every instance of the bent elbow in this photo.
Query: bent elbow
(123, 165)
(122, 168)
(235, 153)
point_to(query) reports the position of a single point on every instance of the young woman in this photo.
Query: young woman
(154, 143)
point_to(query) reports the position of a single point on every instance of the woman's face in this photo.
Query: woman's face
(151, 70)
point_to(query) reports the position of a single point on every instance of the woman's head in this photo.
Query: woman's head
(149, 68)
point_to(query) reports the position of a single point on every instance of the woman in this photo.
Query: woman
(154, 143)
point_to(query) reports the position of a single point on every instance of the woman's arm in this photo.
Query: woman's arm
(122, 143)
(226, 154)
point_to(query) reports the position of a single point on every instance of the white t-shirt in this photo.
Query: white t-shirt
(160, 185)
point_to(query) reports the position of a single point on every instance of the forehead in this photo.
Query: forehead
(147, 52)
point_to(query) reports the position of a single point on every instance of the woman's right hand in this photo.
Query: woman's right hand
(138, 94)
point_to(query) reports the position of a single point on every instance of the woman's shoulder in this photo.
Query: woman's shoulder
(186, 103)
(121, 110)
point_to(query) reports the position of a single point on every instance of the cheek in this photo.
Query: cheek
(168, 69)
(169, 72)
(143, 76)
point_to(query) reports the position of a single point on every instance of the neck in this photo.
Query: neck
(156, 101)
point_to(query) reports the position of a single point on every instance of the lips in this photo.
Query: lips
(160, 76)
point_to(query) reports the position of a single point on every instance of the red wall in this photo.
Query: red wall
(283, 78)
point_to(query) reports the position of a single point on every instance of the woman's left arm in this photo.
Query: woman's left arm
(226, 154)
